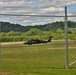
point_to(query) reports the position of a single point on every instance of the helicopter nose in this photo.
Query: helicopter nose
(24, 43)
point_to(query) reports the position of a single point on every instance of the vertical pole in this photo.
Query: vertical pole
(66, 38)
(0, 44)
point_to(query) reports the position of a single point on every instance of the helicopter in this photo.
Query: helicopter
(37, 41)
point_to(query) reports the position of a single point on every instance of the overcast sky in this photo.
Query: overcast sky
(42, 7)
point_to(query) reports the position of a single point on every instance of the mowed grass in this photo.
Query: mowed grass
(40, 59)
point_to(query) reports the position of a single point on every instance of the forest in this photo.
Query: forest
(16, 32)
(7, 26)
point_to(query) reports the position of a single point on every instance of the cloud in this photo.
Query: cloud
(52, 10)
(53, 7)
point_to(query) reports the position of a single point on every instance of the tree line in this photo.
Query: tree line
(7, 26)
(58, 34)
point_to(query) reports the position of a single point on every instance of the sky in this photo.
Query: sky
(36, 7)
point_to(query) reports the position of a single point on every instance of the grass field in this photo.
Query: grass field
(42, 59)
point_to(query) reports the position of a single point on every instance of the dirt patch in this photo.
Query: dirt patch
(5, 73)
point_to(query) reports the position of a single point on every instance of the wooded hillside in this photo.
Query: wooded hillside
(7, 26)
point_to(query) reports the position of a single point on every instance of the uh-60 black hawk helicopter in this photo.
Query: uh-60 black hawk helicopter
(37, 41)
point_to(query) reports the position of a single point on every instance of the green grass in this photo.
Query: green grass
(42, 59)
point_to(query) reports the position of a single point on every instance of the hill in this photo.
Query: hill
(7, 26)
